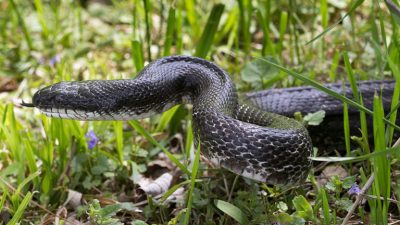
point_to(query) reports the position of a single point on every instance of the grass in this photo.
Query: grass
(41, 159)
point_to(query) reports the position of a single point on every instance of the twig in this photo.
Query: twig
(233, 187)
(359, 198)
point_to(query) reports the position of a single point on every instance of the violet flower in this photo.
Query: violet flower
(91, 139)
(55, 59)
(354, 190)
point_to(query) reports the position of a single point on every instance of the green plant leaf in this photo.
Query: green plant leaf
(303, 207)
(315, 118)
(257, 70)
(284, 218)
(232, 211)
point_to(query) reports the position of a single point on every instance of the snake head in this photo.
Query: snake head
(71, 100)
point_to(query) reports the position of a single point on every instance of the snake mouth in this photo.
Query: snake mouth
(65, 100)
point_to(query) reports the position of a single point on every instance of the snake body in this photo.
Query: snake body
(329, 135)
(245, 139)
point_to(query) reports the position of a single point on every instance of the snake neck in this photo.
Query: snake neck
(201, 83)
(159, 86)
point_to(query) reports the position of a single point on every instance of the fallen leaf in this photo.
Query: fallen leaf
(331, 171)
(73, 199)
(8, 84)
(157, 186)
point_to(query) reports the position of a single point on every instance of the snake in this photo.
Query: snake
(247, 136)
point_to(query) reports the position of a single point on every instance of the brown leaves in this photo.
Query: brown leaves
(8, 84)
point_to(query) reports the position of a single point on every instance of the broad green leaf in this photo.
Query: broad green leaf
(303, 207)
(344, 203)
(284, 218)
(232, 211)
(257, 70)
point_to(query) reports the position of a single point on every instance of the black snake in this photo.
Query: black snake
(245, 139)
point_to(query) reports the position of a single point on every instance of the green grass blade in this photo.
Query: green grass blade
(25, 182)
(353, 7)
(328, 91)
(153, 141)
(18, 214)
(387, 151)
(179, 35)
(396, 94)
(351, 77)
(357, 98)
(137, 55)
(166, 118)
(192, 17)
(147, 11)
(3, 196)
(334, 66)
(22, 24)
(192, 184)
(232, 211)
(189, 138)
(175, 187)
(353, 86)
(42, 21)
(325, 206)
(119, 140)
(282, 30)
(364, 128)
(265, 29)
(244, 23)
(324, 13)
(30, 157)
(346, 127)
(207, 37)
(381, 166)
(170, 31)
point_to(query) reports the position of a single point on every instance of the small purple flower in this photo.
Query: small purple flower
(91, 139)
(55, 59)
(354, 190)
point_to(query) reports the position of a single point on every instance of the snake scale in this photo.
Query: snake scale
(247, 140)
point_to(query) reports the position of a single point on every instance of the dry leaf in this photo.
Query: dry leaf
(156, 187)
(177, 196)
(331, 171)
(8, 84)
(73, 199)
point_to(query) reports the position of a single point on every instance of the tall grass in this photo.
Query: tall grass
(41, 158)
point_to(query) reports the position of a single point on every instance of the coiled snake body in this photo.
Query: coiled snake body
(244, 139)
